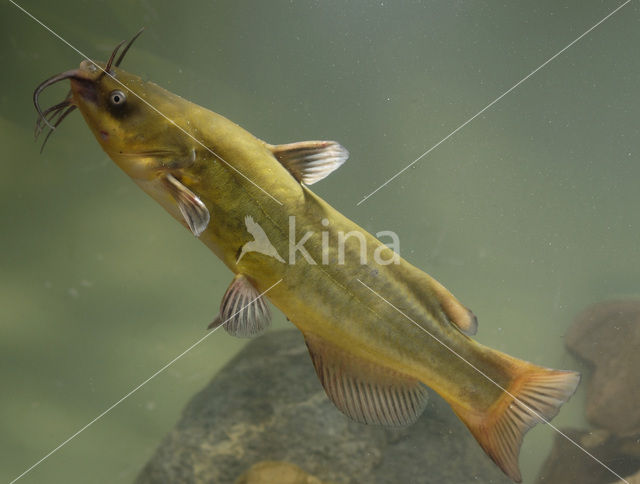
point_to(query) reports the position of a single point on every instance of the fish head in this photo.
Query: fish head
(132, 119)
(117, 118)
(125, 113)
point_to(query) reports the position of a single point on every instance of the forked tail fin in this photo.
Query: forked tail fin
(534, 396)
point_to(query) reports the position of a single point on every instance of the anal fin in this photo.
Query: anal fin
(194, 212)
(364, 390)
(243, 311)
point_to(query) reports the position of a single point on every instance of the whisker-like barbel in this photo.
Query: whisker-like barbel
(49, 114)
(113, 56)
(126, 47)
(52, 80)
(64, 114)
(53, 116)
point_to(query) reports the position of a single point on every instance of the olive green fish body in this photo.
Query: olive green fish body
(378, 329)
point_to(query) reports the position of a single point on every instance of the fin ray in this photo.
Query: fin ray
(363, 390)
(193, 210)
(243, 312)
(310, 161)
(539, 393)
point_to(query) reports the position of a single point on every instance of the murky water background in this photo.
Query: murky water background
(528, 214)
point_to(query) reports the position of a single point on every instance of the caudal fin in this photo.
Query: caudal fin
(535, 396)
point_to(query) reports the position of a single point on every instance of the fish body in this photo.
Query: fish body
(377, 332)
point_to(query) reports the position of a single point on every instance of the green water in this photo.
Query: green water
(528, 213)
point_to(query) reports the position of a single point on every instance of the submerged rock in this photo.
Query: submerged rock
(607, 335)
(267, 404)
(634, 479)
(567, 464)
(269, 471)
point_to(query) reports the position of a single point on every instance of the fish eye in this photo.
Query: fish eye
(117, 97)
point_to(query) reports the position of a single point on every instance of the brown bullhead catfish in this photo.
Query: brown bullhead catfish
(378, 329)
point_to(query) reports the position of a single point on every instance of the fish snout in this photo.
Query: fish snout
(84, 81)
(85, 85)
(85, 89)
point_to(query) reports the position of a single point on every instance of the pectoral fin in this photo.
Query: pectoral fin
(363, 390)
(459, 315)
(243, 312)
(195, 212)
(310, 161)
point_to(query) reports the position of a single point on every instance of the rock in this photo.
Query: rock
(267, 404)
(269, 471)
(607, 335)
(634, 479)
(566, 463)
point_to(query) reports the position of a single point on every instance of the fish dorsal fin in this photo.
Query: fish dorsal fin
(460, 316)
(243, 312)
(310, 161)
(194, 212)
(363, 390)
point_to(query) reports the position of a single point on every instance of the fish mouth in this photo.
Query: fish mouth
(83, 82)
